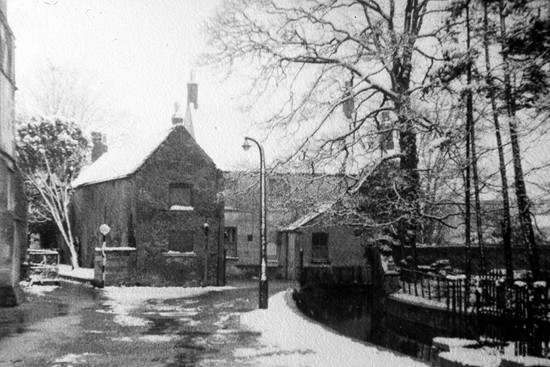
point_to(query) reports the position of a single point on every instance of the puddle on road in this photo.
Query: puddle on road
(205, 328)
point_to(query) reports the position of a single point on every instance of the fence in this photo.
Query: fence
(518, 312)
(452, 291)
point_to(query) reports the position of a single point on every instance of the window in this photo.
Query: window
(271, 252)
(319, 247)
(230, 241)
(180, 241)
(181, 196)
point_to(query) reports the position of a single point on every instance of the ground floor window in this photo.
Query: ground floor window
(319, 247)
(230, 241)
(181, 241)
(271, 252)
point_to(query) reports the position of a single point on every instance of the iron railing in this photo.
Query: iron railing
(452, 291)
(517, 312)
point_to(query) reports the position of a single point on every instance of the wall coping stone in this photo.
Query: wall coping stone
(115, 249)
(179, 254)
(417, 301)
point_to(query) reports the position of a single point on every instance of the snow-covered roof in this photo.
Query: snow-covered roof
(122, 161)
(307, 218)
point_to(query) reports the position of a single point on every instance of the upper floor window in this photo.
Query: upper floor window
(181, 196)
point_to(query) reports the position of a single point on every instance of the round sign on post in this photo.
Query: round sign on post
(104, 229)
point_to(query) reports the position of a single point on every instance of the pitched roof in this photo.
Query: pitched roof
(121, 162)
(307, 218)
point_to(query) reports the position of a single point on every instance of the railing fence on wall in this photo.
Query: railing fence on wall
(517, 312)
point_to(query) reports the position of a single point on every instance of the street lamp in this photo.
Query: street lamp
(263, 247)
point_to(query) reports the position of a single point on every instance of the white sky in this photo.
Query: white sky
(142, 52)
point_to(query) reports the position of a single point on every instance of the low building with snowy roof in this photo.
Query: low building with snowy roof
(329, 242)
(159, 197)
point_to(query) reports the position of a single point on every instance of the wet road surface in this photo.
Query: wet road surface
(73, 326)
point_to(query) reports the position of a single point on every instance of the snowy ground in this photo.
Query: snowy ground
(292, 340)
(287, 338)
(80, 273)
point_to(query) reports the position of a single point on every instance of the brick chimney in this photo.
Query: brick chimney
(192, 98)
(99, 142)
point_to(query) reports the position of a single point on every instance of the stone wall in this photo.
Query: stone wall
(410, 317)
(13, 232)
(119, 266)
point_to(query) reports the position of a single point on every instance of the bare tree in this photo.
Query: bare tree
(319, 55)
(66, 93)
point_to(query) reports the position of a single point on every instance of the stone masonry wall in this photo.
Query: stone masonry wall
(178, 160)
(110, 203)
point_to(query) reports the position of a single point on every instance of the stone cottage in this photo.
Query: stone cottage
(13, 202)
(159, 197)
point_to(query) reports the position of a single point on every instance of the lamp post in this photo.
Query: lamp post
(206, 229)
(104, 229)
(263, 248)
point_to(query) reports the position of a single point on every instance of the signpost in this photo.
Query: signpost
(104, 229)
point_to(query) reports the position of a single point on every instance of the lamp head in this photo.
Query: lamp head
(206, 228)
(245, 145)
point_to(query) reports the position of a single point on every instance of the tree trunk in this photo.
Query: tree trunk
(506, 219)
(472, 161)
(408, 225)
(524, 205)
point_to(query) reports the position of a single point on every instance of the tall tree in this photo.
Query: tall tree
(472, 140)
(319, 55)
(50, 152)
(524, 204)
(506, 227)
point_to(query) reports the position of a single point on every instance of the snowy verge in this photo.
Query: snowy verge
(292, 340)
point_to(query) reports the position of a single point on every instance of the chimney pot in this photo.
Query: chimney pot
(177, 118)
(99, 141)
